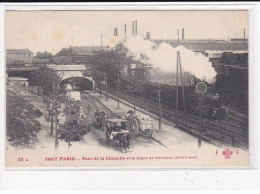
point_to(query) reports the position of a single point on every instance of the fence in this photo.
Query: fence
(222, 131)
(35, 90)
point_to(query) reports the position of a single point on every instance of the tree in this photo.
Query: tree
(74, 128)
(65, 52)
(110, 62)
(44, 55)
(49, 81)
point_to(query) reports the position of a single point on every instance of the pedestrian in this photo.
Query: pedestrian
(89, 108)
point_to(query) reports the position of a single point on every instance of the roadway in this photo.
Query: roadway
(98, 135)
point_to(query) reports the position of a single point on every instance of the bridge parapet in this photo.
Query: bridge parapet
(67, 67)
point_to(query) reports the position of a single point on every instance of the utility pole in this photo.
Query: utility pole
(106, 87)
(177, 89)
(125, 32)
(183, 92)
(133, 28)
(160, 108)
(101, 43)
(178, 37)
(56, 131)
(118, 90)
(200, 131)
(201, 88)
(245, 38)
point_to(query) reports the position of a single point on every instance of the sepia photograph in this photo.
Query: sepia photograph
(127, 89)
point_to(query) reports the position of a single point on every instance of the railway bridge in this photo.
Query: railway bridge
(68, 74)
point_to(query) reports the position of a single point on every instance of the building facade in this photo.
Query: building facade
(18, 56)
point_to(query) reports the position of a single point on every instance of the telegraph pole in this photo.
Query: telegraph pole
(245, 37)
(133, 28)
(178, 36)
(118, 90)
(200, 131)
(125, 32)
(160, 108)
(177, 89)
(183, 92)
(201, 88)
(106, 87)
(56, 132)
(101, 43)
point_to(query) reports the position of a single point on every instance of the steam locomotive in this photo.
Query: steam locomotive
(212, 107)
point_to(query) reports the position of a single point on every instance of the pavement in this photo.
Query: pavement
(178, 142)
(169, 136)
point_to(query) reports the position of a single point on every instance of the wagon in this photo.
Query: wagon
(139, 123)
(117, 130)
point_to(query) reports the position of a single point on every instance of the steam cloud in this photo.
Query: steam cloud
(164, 57)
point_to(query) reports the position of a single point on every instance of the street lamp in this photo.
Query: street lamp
(201, 88)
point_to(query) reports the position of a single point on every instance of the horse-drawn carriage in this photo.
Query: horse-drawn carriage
(117, 130)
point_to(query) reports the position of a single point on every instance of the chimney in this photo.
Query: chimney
(148, 36)
(115, 32)
(244, 35)
(125, 32)
(182, 33)
(133, 28)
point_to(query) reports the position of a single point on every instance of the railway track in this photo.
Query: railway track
(228, 131)
(111, 114)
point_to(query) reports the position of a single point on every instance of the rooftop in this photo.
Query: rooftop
(203, 45)
(116, 120)
(18, 51)
(87, 50)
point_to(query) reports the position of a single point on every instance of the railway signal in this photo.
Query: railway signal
(201, 88)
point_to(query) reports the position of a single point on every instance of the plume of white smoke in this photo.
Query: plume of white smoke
(164, 56)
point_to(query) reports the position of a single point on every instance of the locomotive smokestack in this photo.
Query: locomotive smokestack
(133, 28)
(182, 33)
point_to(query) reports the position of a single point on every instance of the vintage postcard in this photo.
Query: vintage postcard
(127, 89)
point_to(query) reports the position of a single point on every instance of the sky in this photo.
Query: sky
(53, 30)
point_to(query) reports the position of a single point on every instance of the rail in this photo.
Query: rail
(224, 131)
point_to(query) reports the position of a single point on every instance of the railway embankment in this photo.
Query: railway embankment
(22, 119)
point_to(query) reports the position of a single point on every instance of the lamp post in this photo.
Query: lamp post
(201, 88)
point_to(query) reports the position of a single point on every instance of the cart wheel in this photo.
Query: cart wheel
(149, 132)
(134, 128)
(107, 139)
